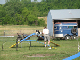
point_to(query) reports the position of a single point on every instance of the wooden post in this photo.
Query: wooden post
(77, 21)
(16, 44)
(4, 33)
(2, 47)
(53, 28)
(78, 46)
(30, 45)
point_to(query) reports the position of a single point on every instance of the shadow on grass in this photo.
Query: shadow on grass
(58, 39)
(33, 46)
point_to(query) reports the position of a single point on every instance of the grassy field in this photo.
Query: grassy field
(14, 29)
(37, 51)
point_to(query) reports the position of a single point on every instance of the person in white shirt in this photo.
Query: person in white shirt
(46, 36)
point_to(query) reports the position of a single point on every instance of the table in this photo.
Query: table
(30, 42)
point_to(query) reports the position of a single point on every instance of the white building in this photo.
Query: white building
(62, 15)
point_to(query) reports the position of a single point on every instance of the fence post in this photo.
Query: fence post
(2, 47)
(4, 33)
(16, 44)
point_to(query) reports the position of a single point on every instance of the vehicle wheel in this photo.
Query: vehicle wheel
(60, 38)
(74, 37)
(67, 37)
(74, 31)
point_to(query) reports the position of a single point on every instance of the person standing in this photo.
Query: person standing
(46, 36)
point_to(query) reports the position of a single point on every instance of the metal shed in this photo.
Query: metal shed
(62, 15)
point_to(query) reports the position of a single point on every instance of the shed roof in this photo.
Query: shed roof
(65, 14)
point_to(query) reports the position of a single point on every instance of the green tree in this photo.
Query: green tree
(32, 20)
(6, 20)
(2, 14)
(25, 13)
(41, 22)
(18, 19)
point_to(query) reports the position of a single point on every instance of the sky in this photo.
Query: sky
(3, 1)
(37, 0)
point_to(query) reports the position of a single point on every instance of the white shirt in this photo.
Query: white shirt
(45, 31)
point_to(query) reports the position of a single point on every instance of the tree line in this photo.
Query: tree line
(25, 12)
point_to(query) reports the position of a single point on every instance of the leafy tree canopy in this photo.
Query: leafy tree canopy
(24, 12)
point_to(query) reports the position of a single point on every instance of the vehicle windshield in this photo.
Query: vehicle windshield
(70, 26)
(75, 26)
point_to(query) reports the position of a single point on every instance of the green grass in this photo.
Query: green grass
(18, 26)
(66, 49)
(14, 29)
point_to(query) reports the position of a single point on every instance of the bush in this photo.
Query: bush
(41, 22)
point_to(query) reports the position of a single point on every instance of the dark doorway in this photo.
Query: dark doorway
(64, 21)
(78, 23)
